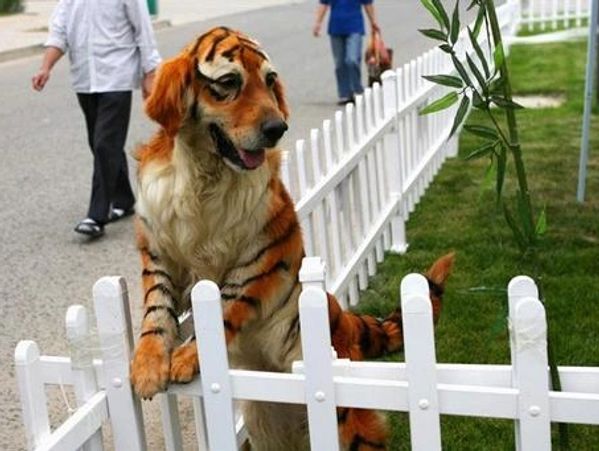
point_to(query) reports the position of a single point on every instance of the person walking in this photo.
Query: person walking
(346, 29)
(112, 50)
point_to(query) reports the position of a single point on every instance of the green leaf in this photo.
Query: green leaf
(498, 56)
(428, 4)
(480, 17)
(446, 48)
(434, 34)
(442, 13)
(541, 226)
(479, 53)
(460, 68)
(505, 103)
(440, 104)
(520, 240)
(479, 77)
(501, 165)
(478, 102)
(455, 23)
(479, 152)
(482, 131)
(445, 80)
(496, 86)
(460, 115)
(525, 219)
(490, 175)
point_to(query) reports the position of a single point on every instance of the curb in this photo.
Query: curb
(36, 49)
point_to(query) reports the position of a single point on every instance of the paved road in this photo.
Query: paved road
(46, 169)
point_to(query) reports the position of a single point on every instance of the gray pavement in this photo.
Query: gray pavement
(46, 170)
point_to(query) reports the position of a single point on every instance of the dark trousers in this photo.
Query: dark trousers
(107, 119)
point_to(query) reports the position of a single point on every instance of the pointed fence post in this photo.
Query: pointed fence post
(528, 334)
(316, 350)
(111, 303)
(212, 349)
(394, 170)
(419, 345)
(31, 391)
(84, 375)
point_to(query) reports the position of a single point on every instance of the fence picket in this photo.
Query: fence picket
(32, 395)
(86, 386)
(216, 386)
(111, 304)
(419, 345)
(319, 387)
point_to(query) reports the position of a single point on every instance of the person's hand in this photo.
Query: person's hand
(40, 79)
(316, 29)
(146, 84)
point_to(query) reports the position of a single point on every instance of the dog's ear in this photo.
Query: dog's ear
(281, 100)
(166, 104)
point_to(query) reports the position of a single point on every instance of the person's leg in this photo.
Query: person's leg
(353, 61)
(343, 83)
(114, 109)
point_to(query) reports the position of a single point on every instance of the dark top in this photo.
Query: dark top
(346, 16)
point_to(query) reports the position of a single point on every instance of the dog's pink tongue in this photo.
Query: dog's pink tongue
(252, 159)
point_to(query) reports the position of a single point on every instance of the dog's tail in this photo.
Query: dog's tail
(358, 337)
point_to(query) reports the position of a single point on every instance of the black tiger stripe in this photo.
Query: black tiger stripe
(156, 272)
(335, 323)
(170, 310)
(228, 296)
(435, 288)
(160, 287)
(280, 265)
(155, 331)
(293, 327)
(293, 227)
(229, 53)
(217, 40)
(365, 338)
(359, 440)
(342, 415)
(256, 51)
(229, 326)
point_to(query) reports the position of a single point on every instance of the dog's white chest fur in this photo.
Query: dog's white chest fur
(202, 216)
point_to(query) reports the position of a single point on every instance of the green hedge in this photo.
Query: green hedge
(11, 6)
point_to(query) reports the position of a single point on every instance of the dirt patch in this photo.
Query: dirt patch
(541, 101)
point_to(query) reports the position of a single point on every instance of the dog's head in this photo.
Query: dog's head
(223, 86)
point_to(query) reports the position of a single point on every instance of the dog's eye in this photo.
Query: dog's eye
(271, 77)
(229, 81)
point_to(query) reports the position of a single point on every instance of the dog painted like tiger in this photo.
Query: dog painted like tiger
(211, 205)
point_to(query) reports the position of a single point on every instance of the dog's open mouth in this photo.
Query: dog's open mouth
(243, 158)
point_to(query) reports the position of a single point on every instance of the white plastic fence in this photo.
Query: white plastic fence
(420, 386)
(553, 14)
(362, 174)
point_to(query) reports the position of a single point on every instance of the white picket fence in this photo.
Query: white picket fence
(420, 386)
(354, 185)
(553, 14)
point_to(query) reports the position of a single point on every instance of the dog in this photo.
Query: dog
(211, 205)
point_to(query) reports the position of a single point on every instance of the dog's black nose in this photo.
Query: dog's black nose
(273, 129)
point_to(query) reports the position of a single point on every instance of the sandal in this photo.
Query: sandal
(90, 227)
(119, 213)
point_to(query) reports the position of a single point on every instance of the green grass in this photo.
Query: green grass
(458, 213)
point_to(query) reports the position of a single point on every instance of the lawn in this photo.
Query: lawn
(458, 213)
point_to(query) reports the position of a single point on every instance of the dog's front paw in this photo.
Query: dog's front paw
(150, 367)
(185, 363)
